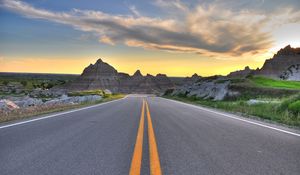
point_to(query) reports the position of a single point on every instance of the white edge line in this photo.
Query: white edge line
(61, 113)
(233, 117)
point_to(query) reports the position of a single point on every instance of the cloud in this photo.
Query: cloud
(172, 4)
(107, 40)
(208, 30)
(134, 10)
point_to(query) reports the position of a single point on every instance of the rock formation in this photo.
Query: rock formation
(285, 65)
(7, 105)
(240, 73)
(205, 89)
(292, 73)
(103, 76)
(163, 81)
(97, 76)
(190, 80)
(280, 62)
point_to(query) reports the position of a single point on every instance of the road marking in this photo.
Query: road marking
(55, 115)
(135, 168)
(155, 168)
(236, 118)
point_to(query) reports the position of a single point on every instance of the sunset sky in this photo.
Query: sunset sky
(174, 37)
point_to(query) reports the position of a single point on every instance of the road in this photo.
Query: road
(140, 134)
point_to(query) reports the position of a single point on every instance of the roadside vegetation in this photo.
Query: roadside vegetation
(103, 93)
(87, 92)
(46, 109)
(274, 100)
(286, 110)
(17, 85)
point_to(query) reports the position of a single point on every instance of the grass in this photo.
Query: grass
(269, 111)
(272, 83)
(87, 92)
(40, 110)
(93, 92)
(294, 107)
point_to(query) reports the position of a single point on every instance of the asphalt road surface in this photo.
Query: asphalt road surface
(147, 135)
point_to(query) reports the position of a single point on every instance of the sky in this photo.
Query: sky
(178, 38)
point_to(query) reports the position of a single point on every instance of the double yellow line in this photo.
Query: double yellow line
(136, 162)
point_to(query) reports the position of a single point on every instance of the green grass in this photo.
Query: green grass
(294, 107)
(87, 92)
(269, 111)
(40, 110)
(92, 92)
(272, 83)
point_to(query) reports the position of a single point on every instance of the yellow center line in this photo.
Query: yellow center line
(135, 168)
(155, 168)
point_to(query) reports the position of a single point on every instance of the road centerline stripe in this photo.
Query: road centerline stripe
(155, 168)
(136, 162)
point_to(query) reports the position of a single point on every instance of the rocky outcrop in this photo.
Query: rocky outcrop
(280, 62)
(73, 100)
(190, 80)
(25, 102)
(7, 105)
(28, 101)
(163, 81)
(285, 65)
(292, 73)
(103, 76)
(240, 73)
(97, 76)
(48, 93)
(205, 89)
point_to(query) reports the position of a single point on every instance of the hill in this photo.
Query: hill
(101, 75)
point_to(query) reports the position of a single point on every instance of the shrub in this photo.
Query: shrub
(5, 82)
(294, 107)
(168, 91)
(285, 104)
(24, 83)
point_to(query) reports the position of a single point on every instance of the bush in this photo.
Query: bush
(24, 83)
(168, 91)
(285, 104)
(294, 107)
(5, 82)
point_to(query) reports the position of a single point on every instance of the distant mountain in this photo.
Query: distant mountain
(101, 75)
(281, 63)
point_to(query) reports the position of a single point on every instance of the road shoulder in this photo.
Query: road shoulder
(243, 118)
(32, 118)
